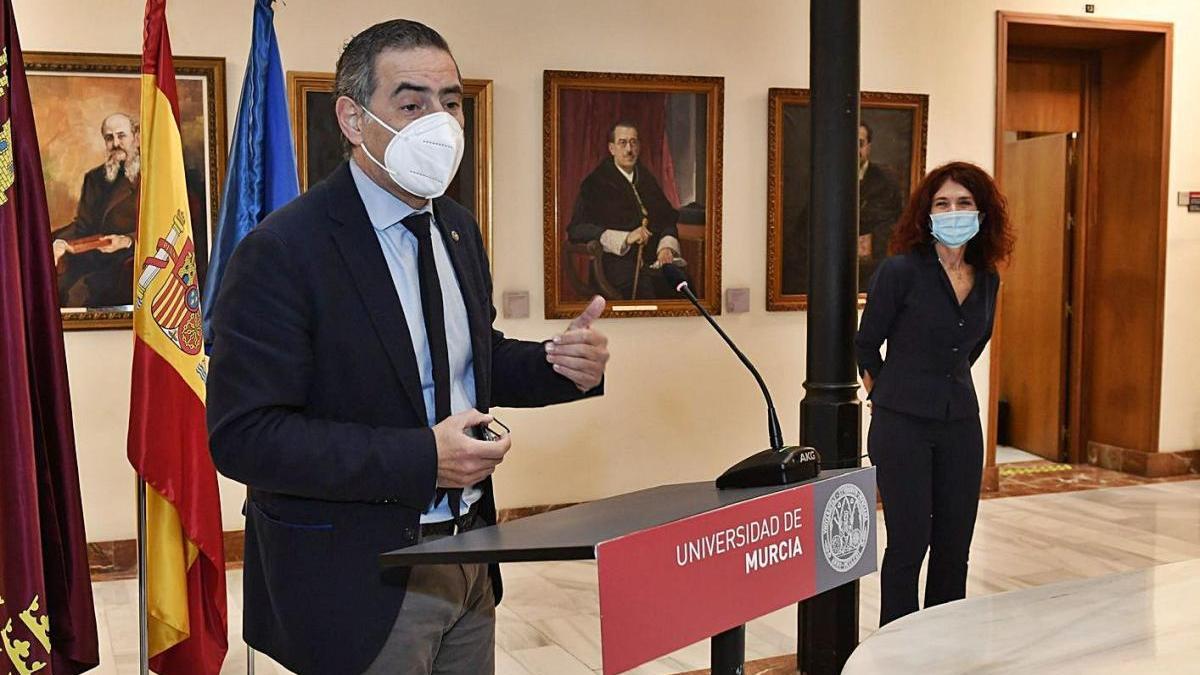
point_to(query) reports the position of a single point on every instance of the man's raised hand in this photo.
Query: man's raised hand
(580, 353)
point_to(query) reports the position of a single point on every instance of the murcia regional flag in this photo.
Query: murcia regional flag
(168, 444)
(47, 618)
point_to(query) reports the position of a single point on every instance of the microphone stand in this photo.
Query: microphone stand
(778, 464)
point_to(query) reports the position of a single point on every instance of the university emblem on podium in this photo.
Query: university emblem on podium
(169, 279)
(845, 527)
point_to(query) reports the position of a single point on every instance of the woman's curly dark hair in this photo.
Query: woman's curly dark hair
(990, 247)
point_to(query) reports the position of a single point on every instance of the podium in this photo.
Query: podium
(680, 563)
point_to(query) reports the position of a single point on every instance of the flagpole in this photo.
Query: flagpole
(143, 614)
(249, 657)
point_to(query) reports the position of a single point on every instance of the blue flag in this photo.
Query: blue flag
(261, 174)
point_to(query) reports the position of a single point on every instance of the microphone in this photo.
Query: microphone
(778, 464)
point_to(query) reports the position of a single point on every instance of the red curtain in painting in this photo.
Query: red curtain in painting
(585, 117)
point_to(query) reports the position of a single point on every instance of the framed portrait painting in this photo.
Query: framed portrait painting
(319, 141)
(631, 184)
(86, 108)
(891, 160)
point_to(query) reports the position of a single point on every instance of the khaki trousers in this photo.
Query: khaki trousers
(446, 625)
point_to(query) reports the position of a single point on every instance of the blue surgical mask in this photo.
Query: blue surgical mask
(954, 228)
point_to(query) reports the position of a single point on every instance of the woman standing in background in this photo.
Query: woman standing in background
(933, 301)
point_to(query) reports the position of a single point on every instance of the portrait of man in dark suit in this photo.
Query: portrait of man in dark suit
(95, 251)
(891, 150)
(633, 184)
(879, 205)
(319, 141)
(622, 205)
(86, 110)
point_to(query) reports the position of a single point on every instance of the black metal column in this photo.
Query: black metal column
(728, 652)
(830, 413)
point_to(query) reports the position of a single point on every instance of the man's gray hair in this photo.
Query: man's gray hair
(355, 76)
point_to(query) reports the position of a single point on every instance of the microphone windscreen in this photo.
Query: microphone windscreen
(675, 276)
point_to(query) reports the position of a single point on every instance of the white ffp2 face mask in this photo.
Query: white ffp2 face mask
(423, 157)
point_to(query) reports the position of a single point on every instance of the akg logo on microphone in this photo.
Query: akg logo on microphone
(845, 527)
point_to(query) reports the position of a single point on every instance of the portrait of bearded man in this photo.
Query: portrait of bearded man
(94, 253)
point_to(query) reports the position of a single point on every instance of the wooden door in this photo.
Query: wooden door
(1033, 364)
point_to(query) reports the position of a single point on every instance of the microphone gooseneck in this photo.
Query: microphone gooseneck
(679, 281)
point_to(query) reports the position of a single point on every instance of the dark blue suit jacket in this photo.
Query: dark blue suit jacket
(314, 402)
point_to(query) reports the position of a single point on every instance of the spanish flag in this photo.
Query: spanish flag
(168, 445)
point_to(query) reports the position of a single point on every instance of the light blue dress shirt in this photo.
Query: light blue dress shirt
(400, 250)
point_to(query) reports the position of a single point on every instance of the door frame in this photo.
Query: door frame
(1071, 32)
(1082, 208)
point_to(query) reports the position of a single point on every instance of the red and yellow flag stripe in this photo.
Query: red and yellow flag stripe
(167, 438)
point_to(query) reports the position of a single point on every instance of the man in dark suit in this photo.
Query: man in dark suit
(98, 244)
(880, 202)
(622, 205)
(353, 354)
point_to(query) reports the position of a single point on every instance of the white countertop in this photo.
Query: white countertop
(1146, 621)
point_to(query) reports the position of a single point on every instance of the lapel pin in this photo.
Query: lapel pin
(454, 235)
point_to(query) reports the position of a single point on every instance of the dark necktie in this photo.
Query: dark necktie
(435, 331)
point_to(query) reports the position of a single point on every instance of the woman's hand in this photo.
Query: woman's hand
(868, 382)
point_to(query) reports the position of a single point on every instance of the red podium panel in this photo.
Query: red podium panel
(669, 586)
(681, 563)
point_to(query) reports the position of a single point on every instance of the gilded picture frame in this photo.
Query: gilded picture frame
(319, 141)
(661, 132)
(73, 96)
(895, 132)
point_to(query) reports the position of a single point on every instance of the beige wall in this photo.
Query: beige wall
(679, 407)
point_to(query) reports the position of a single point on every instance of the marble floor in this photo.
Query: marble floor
(548, 623)
(1039, 477)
